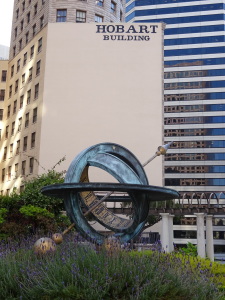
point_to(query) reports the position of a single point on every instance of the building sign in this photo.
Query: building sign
(126, 32)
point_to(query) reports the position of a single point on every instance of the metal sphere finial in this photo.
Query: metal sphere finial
(44, 245)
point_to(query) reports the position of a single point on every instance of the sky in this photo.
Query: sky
(6, 12)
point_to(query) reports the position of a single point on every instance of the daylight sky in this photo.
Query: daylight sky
(6, 12)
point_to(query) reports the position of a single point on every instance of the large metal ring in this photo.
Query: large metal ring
(126, 168)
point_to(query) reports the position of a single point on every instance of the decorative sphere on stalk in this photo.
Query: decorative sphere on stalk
(44, 245)
(57, 238)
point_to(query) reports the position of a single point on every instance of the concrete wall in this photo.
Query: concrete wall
(98, 90)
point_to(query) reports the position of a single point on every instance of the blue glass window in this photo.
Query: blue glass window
(194, 85)
(194, 156)
(194, 96)
(178, 9)
(61, 15)
(194, 40)
(153, 2)
(195, 120)
(194, 29)
(177, 20)
(194, 51)
(194, 62)
(194, 132)
(196, 73)
(194, 169)
(194, 108)
(194, 181)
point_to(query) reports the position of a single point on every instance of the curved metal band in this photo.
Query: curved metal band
(125, 167)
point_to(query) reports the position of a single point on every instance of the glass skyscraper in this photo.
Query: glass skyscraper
(194, 97)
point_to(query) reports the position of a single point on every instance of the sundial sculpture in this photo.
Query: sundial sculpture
(77, 191)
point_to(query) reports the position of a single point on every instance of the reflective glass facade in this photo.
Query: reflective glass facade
(194, 84)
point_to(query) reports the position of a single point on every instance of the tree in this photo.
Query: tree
(35, 211)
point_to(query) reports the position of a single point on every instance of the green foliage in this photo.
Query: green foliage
(189, 250)
(32, 192)
(34, 211)
(79, 272)
(3, 212)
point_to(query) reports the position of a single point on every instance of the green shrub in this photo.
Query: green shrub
(34, 211)
(76, 271)
(190, 249)
(3, 212)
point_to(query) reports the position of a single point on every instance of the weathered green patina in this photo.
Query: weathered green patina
(126, 168)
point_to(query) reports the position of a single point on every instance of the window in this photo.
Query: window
(28, 17)
(35, 115)
(31, 165)
(2, 95)
(4, 74)
(9, 172)
(98, 19)
(13, 128)
(23, 79)
(10, 91)
(61, 15)
(16, 85)
(17, 13)
(14, 50)
(21, 101)
(38, 68)
(41, 21)
(7, 132)
(15, 32)
(25, 58)
(80, 16)
(16, 170)
(21, 25)
(8, 111)
(14, 106)
(28, 96)
(3, 175)
(113, 7)
(23, 5)
(43, 2)
(18, 147)
(27, 37)
(100, 2)
(5, 153)
(12, 70)
(121, 16)
(35, 9)
(36, 91)
(25, 143)
(30, 74)
(11, 150)
(20, 124)
(39, 44)
(1, 114)
(18, 65)
(20, 44)
(33, 139)
(31, 52)
(23, 169)
(27, 120)
(34, 29)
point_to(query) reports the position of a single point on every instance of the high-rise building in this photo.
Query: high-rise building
(71, 85)
(194, 89)
(4, 52)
